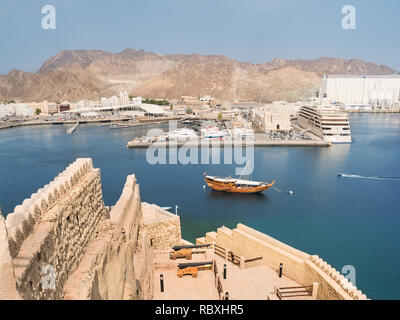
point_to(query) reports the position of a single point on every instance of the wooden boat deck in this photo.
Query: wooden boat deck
(232, 185)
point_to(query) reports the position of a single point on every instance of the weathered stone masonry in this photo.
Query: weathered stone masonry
(63, 232)
(163, 228)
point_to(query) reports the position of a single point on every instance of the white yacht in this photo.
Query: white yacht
(214, 133)
(327, 122)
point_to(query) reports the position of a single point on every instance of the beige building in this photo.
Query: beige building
(45, 107)
(210, 100)
(276, 121)
(123, 98)
(192, 102)
(73, 106)
(189, 99)
(274, 117)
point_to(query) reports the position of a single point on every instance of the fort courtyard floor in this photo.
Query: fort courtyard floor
(252, 283)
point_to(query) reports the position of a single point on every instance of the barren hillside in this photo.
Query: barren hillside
(90, 74)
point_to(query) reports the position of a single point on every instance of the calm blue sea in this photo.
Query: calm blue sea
(346, 221)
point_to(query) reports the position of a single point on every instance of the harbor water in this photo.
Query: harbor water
(346, 220)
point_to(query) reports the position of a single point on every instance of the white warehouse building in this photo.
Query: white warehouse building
(376, 91)
(132, 110)
(18, 109)
(5, 111)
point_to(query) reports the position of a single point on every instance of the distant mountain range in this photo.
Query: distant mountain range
(91, 74)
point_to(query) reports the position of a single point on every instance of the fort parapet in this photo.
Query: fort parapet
(64, 243)
(299, 266)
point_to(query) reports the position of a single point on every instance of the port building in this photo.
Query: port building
(134, 110)
(273, 117)
(326, 122)
(46, 107)
(381, 91)
(5, 111)
(18, 109)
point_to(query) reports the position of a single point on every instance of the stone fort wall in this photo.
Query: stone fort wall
(8, 289)
(52, 228)
(162, 227)
(63, 243)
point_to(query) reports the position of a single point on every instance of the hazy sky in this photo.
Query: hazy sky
(246, 30)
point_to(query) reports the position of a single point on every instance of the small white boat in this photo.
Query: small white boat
(182, 135)
(214, 133)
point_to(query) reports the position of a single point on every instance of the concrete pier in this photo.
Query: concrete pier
(60, 122)
(257, 143)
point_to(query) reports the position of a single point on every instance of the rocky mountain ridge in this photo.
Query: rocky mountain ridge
(90, 74)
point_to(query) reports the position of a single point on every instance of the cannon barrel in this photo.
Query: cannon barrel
(176, 248)
(194, 264)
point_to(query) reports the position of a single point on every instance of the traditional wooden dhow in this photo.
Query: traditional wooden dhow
(237, 185)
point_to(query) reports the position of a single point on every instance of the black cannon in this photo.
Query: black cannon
(176, 248)
(186, 251)
(192, 268)
(194, 264)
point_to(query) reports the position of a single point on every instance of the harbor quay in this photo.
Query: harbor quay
(216, 144)
(261, 139)
(63, 243)
(211, 133)
(137, 122)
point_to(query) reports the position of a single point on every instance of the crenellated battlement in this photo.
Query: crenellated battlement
(297, 265)
(21, 222)
(64, 243)
(53, 228)
(339, 278)
(129, 201)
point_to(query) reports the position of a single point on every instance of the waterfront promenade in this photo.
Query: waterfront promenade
(216, 144)
(59, 122)
(128, 122)
(139, 121)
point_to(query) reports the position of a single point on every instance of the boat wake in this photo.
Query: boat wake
(280, 191)
(356, 176)
(276, 189)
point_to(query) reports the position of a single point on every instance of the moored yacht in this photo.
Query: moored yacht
(214, 133)
(183, 134)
